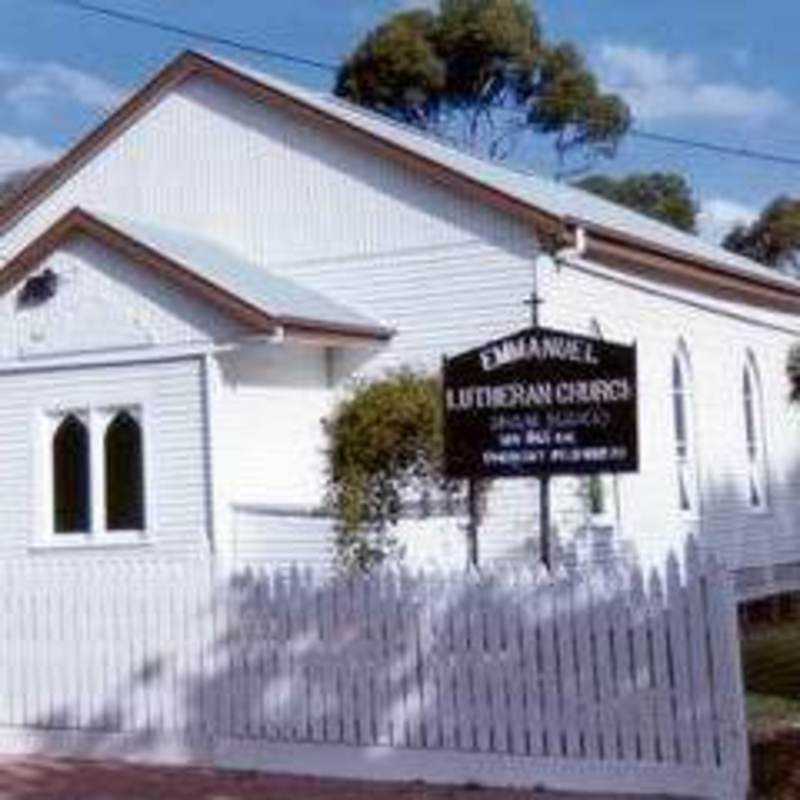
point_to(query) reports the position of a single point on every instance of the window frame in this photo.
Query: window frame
(756, 468)
(97, 416)
(686, 464)
(605, 481)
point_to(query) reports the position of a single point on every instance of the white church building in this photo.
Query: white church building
(187, 292)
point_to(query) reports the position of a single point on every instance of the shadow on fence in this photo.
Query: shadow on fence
(585, 669)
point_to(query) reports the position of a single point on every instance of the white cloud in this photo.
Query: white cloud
(718, 215)
(413, 5)
(31, 88)
(659, 85)
(22, 152)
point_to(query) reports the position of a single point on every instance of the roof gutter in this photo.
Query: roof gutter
(608, 244)
(574, 251)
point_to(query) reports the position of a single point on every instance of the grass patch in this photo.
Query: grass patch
(767, 713)
(771, 662)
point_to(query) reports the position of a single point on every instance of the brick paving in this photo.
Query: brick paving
(60, 779)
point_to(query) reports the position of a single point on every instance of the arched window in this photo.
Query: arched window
(754, 438)
(124, 474)
(71, 478)
(683, 425)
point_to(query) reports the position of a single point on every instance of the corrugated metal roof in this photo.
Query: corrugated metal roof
(278, 297)
(558, 199)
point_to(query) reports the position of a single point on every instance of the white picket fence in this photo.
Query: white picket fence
(501, 679)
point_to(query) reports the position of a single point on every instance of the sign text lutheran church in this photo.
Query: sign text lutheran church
(538, 403)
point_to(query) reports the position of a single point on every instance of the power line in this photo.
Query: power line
(743, 152)
(122, 16)
(167, 27)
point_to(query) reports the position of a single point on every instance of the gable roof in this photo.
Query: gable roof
(243, 290)
(614, 234)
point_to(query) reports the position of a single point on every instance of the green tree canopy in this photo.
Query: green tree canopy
(385, 444)
(664, 196)
(481, 72)
(774, 238)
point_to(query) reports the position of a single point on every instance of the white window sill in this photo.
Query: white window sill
(118, 541)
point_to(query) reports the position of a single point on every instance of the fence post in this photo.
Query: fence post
(729, 684)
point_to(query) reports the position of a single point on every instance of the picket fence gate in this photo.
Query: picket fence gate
(587, 683)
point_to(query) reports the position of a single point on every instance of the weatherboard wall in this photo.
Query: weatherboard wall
(447, 273)
(718, 339)
(102, 301)
(174, 429)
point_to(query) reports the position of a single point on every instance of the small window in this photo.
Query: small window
(124, 474)
(684, 440)
(71, 477)
(597, 487)
(97, 487)
(596, 490)
(754, 444)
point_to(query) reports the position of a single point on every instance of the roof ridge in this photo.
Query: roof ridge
(548, 206)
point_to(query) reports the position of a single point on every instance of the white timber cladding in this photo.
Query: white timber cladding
(717, 340)
(104, 302)
(174, 435)
(270, 436)
(447, 272)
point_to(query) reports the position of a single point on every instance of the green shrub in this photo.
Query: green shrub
(385, 446)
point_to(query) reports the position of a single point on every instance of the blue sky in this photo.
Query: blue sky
(712, 70)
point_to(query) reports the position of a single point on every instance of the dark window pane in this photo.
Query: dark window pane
(749, 413)
(685, 502)
(679, 415)
(677, 374)
(124, 474)
(597, 500)
(71, 477)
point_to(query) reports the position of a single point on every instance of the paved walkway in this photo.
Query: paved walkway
(51, 779)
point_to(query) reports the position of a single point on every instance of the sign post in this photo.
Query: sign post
(534, 301)
(539, 403)
(544, 520)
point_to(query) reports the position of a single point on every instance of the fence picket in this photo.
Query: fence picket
(623, 674)
(679, 659)
(463, 688)
(513, 676)
(608, 719)
(643, 678)
(532, 678)
(578, 671)
(697, 624)
(571, 724)
(551, 693)
(664, 711)
(476, 617)
(586, 670)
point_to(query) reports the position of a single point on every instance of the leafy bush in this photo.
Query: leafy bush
(385, 448)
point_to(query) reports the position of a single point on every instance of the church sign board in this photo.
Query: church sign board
(541, 402)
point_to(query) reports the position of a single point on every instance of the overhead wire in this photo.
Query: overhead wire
(282, 55)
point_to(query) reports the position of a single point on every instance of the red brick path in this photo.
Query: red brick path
(51, 779)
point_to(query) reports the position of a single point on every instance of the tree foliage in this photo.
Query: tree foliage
(664, 196)
(481, 72)
(14, 182)
(385, 445)
(774, 238)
